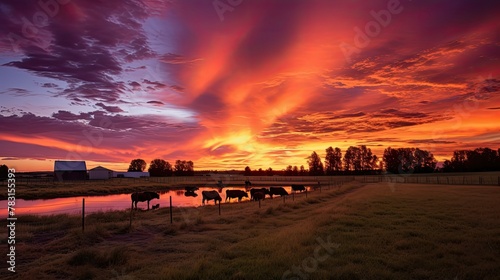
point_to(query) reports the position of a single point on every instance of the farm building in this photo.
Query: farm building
(130, 174)
(65, 170)
(100, 173)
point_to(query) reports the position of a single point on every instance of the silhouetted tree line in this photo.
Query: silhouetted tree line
(480, 159)
(161, 168)
(408, 160)
(4, 171)
(289, 171)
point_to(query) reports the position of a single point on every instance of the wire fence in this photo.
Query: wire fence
(48, 215)
(438, 179)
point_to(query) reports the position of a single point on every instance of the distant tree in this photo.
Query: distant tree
(315, 165)
(269, 172)
(289, 171)
(160, 168)
(333, 160)
(498, 160)
(295, 170)
(352, 159)
(408, 160)
(480, 159)
(260, 172)
(248, 171)
(184, 168)
(425, 161)
(4, 171)
(459, 161)
(391, 160)
(367, 158)
(137, 165)
(302, 171)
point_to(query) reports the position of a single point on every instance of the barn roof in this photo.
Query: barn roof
(100, 168)
(68, 165)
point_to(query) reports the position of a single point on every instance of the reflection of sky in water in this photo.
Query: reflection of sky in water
(73, 205)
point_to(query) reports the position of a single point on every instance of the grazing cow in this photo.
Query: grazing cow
(299, 188)
(277, 191)
(210, 195)
(155, 206)
(235, 194)
(258, 196)
(262, 190)
(143, 196)
(248, 183)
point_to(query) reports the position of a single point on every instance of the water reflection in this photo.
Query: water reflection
(189, 196)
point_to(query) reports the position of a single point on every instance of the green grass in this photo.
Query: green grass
(380, 231)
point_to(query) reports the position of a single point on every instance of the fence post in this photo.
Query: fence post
(219, 207)
(306, 192)
(259, 203)
(130, 224)
(293, 193)
(284, 199)
(171, 219)
(83, 214)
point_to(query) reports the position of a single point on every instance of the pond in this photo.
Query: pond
(93, 204)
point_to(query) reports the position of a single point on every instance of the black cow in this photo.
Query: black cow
(258, 196)
(144, 196)
(235, 194)
(277, 191)
(262, 190)
(155, 206)
(210, 195)
(299, 188)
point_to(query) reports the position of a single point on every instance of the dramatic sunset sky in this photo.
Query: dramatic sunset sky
(231, 83)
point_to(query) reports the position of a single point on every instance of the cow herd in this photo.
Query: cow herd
(256, 194)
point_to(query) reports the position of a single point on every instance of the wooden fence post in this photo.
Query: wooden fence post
(219, 208)
(83, 214)
(130, 224)
(171, 219)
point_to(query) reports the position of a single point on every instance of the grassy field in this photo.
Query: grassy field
(360, 231)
